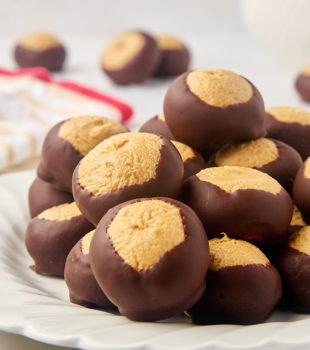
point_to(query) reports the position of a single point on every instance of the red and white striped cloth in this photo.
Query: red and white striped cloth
(31, 102)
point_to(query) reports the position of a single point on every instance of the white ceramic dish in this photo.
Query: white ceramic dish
(38, 306)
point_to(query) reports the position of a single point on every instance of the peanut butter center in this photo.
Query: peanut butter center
(287, 114)
(122, 160)
(233, 178)
(306, 70)
(39, 41)
(297, 219)
(85, 132)
(85, 242)
(300, 240)
(161, 117)
(61, 212)
(185, 151)
(253, 154)
(219, 88)
(307, 168)
(226, 252)
(169, 42)
(122, 50)
(144, 231)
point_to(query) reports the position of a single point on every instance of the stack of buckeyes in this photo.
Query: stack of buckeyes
(192, 214)
(134, 56)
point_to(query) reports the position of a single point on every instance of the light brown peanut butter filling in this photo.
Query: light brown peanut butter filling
(300, 240)
(85, 132)
(226, 252)
(122, 160)
(61, 212)
(144, 231)
(122, 50)
(39, 41)
(288, 114)
(252, 154)
(219, 88)
(233, 178)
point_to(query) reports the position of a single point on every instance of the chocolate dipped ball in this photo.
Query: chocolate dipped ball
(51, 235)
(42, 195)
(192, 160)
(242, 287)
(83, 288)
(243, 202)
(124, 167)
(290, 125)
(68, 142)
(207, 109)
(293, 263)
(301, 189)
(158, 126)
(131, 58)
(174, 56)
(150, 257)
(302, 83)
(40, 49)
(272, 157)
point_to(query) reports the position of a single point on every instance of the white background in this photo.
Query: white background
(214, 30)
(270, 54)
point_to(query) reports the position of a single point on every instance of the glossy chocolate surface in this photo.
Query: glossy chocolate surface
(171, 285)
(301, 193)
(250, 214)
(83, 288)
(58, 161)
(49, 242)
(157, 127)
(203, 126)
(239, 295)
(172, 63)
(51, 59)
(294, 268)
(294, 134)
(42, 195)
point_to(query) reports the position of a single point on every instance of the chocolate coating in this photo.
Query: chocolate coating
(172, 62)
(203, 126)
(42, 195)
(158, 127)
(283, 169)
(301, 193)
(83, 288)
(294, 134)
(58, 161)
(302, 85)
(165, 289)
(193, 165)
(294, 268)
(140, 67)
(167, 182)
(49, 242)
(239, 295)
(51, 58)
(247, 214)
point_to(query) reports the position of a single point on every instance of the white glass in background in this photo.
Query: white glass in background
(282, 27)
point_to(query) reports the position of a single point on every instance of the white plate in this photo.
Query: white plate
(38, 306)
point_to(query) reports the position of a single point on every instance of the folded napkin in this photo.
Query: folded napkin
(31, 102)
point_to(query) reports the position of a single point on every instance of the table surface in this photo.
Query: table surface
(236, 51)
